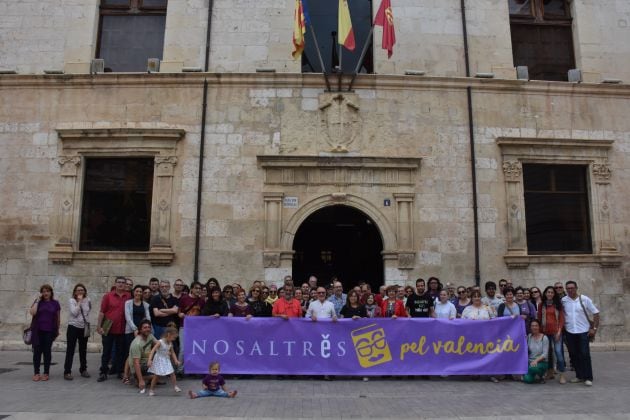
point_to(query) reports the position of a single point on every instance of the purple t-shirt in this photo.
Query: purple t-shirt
(47, 315)
(213, 382)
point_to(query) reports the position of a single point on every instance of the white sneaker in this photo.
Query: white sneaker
(365, 379)
(151, 393)
(177, 389)
(588, 383)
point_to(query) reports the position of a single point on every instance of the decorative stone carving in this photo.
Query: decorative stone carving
(339, 171)
(271, 259)
(601, 172)
(339, 120)
(512, 170)
(69, 165)
(406, 260)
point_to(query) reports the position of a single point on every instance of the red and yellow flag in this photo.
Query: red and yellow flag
(345, 34)
(299, 29)
(385, 18)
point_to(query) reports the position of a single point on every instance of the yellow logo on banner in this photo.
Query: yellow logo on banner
(371, 347)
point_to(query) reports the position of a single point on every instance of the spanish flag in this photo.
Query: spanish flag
(299, 29)
(345, 34)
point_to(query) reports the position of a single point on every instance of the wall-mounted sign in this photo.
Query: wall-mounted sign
(387, 202)
(290, 202)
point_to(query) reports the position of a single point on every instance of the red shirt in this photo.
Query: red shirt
(399, 309)
(553, 323)
(113, 307)
(292, 309)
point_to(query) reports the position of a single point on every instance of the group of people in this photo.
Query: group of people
(131, 317)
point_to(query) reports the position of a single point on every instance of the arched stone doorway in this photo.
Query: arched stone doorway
(339, 241)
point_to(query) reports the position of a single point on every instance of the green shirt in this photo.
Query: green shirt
(140, 349)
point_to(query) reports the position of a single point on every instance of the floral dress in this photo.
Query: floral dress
(161, 365)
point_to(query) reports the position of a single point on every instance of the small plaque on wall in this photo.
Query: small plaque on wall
(290, 202)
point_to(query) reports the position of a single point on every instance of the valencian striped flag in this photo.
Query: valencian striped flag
(345, 34)
(299, 28)
(385, 18)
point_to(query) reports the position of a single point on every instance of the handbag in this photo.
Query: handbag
(27, 335)
(86, 324)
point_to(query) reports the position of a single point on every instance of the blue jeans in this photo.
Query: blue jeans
(558, 351)
(207, 393)
(580, 352)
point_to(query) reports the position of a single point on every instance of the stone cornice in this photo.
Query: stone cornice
(310, 80)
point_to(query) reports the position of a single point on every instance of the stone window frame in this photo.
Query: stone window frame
(131, 8)
(78, 144)
(591, 153)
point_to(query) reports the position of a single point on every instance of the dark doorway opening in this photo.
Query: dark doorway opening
(339, 241)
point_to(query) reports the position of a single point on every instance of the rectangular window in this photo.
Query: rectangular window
(542, 38)
(323, 14)
(116, 212)
(556, 209)
(130, 32)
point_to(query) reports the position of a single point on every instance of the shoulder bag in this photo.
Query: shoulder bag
(86, 324)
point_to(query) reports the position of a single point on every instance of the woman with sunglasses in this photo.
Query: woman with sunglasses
(536, 297)
(79, 306)
(462, 301)
(260, 307)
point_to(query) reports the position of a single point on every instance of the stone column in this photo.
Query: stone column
(604, 240)
(517, 234)
(404, 230)
(63, 249)
(162, 193)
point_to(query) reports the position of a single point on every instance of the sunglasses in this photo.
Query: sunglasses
(461, 291)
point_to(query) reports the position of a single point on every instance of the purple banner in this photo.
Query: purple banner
(364, 347)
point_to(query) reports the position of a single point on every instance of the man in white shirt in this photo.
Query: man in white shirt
(580, 329)
(321, 308)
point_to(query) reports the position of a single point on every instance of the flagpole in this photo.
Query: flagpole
(361, 58)
(319, 55)
(340, 66)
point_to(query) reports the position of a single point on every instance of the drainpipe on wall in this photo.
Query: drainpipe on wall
(202, 143)
(471, 134)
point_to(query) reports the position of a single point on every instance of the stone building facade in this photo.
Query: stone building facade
(396, 148)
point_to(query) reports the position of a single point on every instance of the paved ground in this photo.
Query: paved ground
(454, 398)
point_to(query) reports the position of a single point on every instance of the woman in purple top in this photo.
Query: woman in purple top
(45, 327)
(241, 308)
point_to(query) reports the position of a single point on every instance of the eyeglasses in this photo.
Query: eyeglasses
(559, 287)
(80, 290)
